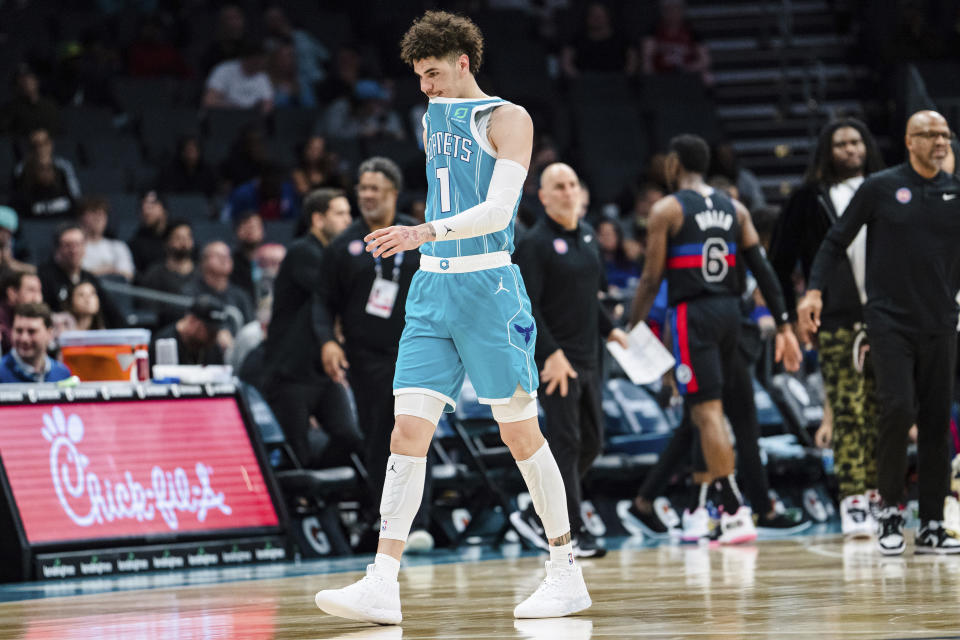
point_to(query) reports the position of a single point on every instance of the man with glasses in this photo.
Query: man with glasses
(912, 275)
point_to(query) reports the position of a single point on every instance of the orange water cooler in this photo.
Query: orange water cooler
(108, 354)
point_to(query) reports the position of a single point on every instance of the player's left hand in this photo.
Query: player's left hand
(389, 241)
(620, 337)
(787, 349)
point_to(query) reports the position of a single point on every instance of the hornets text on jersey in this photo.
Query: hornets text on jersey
(460, 163)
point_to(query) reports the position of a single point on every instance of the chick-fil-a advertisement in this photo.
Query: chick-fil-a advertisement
(130, 469)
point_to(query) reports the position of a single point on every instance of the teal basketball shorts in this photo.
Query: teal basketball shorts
(468, 315)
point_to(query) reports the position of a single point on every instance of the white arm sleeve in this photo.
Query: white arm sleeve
(494, 213)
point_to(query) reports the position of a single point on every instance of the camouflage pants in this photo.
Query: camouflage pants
(852, 397)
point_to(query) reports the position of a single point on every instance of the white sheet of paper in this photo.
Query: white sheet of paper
(646, 359)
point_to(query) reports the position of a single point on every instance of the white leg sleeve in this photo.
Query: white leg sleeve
(402, 493)
(545, 484)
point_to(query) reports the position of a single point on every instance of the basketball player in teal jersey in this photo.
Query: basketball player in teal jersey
(467, 312)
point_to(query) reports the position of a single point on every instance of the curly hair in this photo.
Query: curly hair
(441, 34)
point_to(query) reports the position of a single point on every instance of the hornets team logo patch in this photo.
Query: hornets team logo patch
(526, 332)
(904, 195)
(684, 374)
(355, 248)
(560, 246)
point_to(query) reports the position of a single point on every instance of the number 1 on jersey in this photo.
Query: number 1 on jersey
(443, 175)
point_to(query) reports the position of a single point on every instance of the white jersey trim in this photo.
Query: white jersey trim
(459, 100)
(465, 264)
(426, 392)
(480, 124)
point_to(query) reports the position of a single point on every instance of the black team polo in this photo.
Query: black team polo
(913, 249)
(563, 273)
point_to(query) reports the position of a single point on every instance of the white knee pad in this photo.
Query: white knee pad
(402, 492)
(419, 405)
(522, 406)
(545, 484)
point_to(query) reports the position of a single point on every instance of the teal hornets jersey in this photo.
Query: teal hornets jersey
(459, 166)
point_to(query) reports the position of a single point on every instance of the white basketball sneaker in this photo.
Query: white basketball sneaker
(737, 528)
(561, 593)
(856, 521)
(696, 524)
(373, 598)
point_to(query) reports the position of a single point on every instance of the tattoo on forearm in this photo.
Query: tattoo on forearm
(562, 540)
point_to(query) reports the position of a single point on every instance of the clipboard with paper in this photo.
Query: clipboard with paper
(646, 360)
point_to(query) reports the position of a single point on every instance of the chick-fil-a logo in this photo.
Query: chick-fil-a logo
(87, 500)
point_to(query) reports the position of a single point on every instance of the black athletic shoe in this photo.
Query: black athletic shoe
(890, 540)
(933, 537)
(585, 545)
(788, 522)
(527, 524)
(655, 524)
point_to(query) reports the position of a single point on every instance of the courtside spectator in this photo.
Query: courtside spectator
(213, 279)
(28, 110)
(598, 47)
(248, 236)
(28, 361)
(271, 194)
(44, 185)
(674, 46)
(196, 333)
(153, 53)
(316, 167)
(310, 54)
(242, 83)
(16, 287)
(65, 271)
(146, 245)
(188, 172)
(103, 256)
(174, 273)
(84, 306)
(12, 257)
(228, 39)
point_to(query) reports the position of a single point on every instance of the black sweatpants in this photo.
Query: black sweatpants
(371, 378)
(739, 407)
(294, 402)
(574, 432)
(914, 374)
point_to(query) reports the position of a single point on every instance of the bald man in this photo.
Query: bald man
(912, 276)
(562, 269)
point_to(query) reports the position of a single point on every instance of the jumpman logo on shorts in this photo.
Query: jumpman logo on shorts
(448, 232)
(501, 287)
(393, 467)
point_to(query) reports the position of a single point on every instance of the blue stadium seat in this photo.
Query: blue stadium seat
(643, 427)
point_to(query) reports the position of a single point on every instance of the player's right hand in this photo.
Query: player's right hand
(335, 361)
(556, 372)
(808, 315)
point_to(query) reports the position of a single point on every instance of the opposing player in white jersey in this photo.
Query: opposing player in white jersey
(467, 312)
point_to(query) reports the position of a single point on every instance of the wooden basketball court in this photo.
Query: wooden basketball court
(802, 587)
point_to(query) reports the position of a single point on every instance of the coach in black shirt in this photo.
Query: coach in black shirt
(564, 274)
(293, 380)
(912, 276)
(371, 323)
